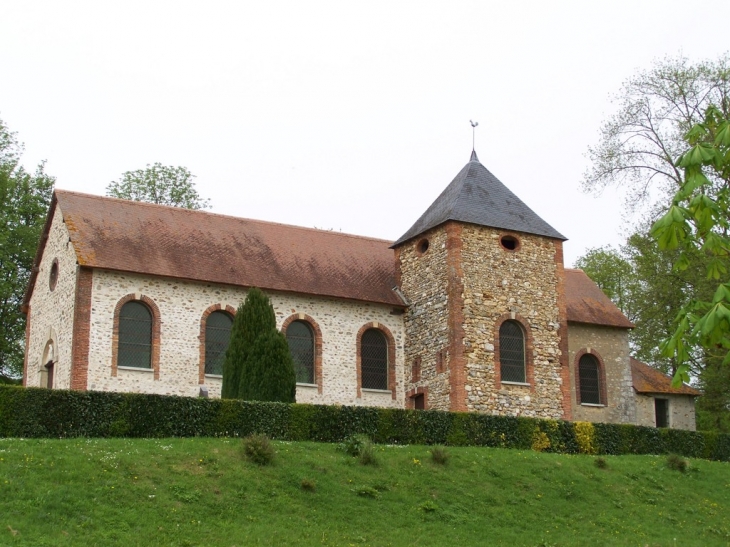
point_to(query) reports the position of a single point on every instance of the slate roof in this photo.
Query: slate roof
(152, 239)
(647, 379)
(587, 303)
(478, 197)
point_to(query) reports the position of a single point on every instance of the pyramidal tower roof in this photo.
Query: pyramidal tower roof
(478, 197)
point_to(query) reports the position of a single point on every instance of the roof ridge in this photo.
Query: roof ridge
(185, 210)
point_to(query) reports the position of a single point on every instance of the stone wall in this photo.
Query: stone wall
(423, 280)
(181, 305)
(52, 311)
(461, 285)
(610, 345)
(520, 284)
(681, 410)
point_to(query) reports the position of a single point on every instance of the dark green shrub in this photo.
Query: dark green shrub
(600, 463)
(44, 413)
(367, 455)
(439, 455)
(353, 446)
(677, 463)
(258, 449)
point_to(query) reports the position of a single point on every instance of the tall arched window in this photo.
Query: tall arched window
(217, 336)
(589, 380)
(300, 337)
(512, 352)
(374, 360)
(135, 336)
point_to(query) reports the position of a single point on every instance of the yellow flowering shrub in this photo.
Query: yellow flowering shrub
(585, 435)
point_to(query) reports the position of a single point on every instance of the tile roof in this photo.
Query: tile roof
(587, 303)
(647, 379)
(152, 239)
(478, 197)
(132, 236)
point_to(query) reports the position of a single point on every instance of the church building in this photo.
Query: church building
(470, 310)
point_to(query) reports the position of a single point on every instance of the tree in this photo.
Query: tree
(614, 274)
(656, 107)
(258, 364)
(160, 184)
(640, 278)
(698, 221)
(24, 202)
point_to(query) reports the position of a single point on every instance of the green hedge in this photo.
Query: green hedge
(32, 412)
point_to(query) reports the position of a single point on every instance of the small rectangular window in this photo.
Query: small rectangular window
(419, 402)
(661, 408)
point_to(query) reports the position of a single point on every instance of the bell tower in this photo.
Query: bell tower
(486, 323)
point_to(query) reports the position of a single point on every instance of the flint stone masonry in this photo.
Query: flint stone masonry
(440, 303)
(681, 410)
(182, 303)
(611, 346)
(519, 284)
(52, 311)
(424, 282)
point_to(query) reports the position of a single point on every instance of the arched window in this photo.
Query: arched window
(300, 337)
(589, 380)
(374, 360)
(217, 336)
(47, 362)
(135, 336)
(512, 352)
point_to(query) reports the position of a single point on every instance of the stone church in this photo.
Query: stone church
(470, 310)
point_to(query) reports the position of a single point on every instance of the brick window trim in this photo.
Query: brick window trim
(203, 321)
(390, 340)
(155, 311)
(416, 370)
(317, 343)
(514, 236)
(603, 393)
(529, 350)
(413, 393)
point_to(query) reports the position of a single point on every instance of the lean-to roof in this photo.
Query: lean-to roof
(647, 379)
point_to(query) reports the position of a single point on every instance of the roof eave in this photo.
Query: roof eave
(39, 254)
(397, 303)
(599, 324)
(405, 239)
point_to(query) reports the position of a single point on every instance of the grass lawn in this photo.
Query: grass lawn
(203, 492)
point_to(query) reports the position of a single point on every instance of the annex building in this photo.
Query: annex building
(470, 310)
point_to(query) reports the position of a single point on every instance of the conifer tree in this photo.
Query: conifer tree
(258, 363)
(269, 370)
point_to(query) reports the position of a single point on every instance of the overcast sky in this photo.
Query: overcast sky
(351, 116)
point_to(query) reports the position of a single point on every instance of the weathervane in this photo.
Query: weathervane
(473, 132)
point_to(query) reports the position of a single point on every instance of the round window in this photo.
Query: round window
(422, 246)
(53, 278)
(511, 243)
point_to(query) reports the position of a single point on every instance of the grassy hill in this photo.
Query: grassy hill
(196, 492)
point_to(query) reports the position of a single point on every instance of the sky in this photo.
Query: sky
(340, 115)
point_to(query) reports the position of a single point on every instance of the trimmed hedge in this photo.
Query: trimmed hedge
(33, 412)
